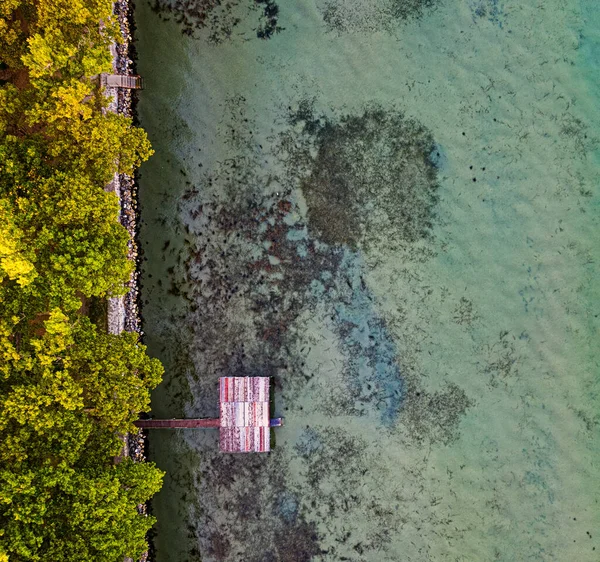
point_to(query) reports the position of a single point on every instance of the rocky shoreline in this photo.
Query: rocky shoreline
(123, 312)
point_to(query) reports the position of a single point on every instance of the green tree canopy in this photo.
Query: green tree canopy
(66, 382)
(66, 394)
(62, 514)
(68, 390)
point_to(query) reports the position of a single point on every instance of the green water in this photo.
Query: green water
(391, 208)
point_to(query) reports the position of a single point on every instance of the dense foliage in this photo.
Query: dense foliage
(68, 390)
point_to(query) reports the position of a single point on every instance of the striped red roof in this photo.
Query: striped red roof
(244, 440)
(244, 419)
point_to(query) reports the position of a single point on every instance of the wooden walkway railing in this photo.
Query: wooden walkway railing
(175, 423)
(192, 423)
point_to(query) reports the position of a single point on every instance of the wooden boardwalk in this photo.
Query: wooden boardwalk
(178, 423)
(132, 82)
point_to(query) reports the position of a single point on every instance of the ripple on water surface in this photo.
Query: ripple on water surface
(409, 254)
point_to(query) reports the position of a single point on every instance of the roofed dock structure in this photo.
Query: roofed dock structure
(244, 416)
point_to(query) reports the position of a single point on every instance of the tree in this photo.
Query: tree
(12, 34)
(116, 376)
(69, 383)
(65, 396)
(67, 390)
(62, 515)
(55, 36)
(16, 260)
(99, 146)
(80, 247)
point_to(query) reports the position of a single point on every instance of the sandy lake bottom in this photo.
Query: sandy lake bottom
(392, 208)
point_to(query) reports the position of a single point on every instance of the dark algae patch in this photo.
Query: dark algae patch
(254, 256)
(269, 21)
(254, 268)
(372, 176)
(256, 522)
(344, 16)
(433, 417)
(217, 21)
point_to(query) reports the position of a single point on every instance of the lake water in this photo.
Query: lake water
(392, 208)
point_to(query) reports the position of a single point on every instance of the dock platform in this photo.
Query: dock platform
(244, 420)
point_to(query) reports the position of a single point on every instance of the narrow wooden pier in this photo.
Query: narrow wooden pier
(132, 82)
(178, 423)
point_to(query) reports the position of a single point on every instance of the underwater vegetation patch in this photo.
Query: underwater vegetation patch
(269, 21)
(217, 21)
(257, 523)
(464, 313)
(254, 263)
(433, 417)
(502, 359)
(347, 16)
(490, 10)
(250, 270)
(366, 177)
(336, 469)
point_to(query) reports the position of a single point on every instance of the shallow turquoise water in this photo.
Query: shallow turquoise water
(396, 219)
